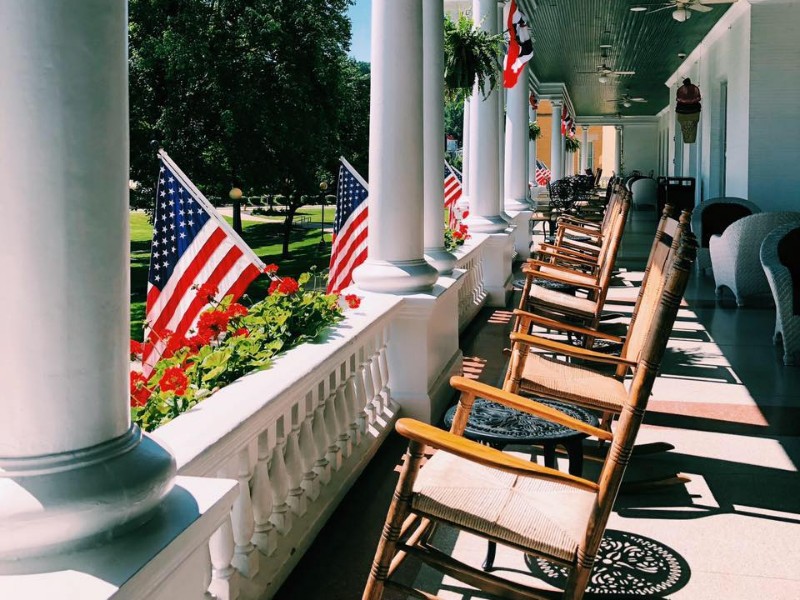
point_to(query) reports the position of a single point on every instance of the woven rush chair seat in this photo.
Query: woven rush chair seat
(562, 302)
(547, 516)
(553, 378)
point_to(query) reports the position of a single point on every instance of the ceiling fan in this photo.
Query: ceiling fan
(603, 71)
(627, 100)
(681, 7)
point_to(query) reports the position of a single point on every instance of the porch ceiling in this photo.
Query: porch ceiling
(568, 35)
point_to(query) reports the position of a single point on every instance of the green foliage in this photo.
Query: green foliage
(453, 238)
(534, 130)
(191, 369)
(571, 144)
(454, 117)
(470, 54)
(259, 90)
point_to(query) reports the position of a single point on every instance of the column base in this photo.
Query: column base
(513, 205)
(64, 501)
(486, 224)
(498, 257)
(440, 259)
(395, 277)
(522, 235)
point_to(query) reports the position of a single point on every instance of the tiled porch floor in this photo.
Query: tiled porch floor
(725, 402)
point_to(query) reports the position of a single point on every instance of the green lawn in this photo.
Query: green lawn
(264, 238)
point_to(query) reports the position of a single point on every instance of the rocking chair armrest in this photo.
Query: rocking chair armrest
(578, 221)
(568, 243)
(569, 349)
(579, 229)
(526, 405)
(484, 455)
(532, 270)
(568, 327)
(545, 247)
(556, 255)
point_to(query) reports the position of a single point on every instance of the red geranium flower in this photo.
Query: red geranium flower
(457, 235)
(352, 300)
(465, 214)
(212, 323)
(242, 331)
(174, 380)
(287, 286)
(207, 292)
(137, 348)
(140, 393)
(270, 269)
(236, 310)
(196, 342)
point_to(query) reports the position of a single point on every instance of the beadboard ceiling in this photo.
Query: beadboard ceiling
(568, 34)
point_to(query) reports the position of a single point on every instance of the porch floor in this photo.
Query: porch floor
(725, 402)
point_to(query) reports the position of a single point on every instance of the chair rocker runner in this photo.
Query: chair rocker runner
(505, 499)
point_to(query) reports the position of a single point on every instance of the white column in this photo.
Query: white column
(484, 175)
(584, 148)
(517, 140)
(617, 149)
(463, 202)
(556, 143)
(396, 263)
(433, 118)
(71, 465)
(532, 152)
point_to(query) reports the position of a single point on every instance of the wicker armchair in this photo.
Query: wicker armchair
(503, 498)
(780, 258)
(712, 217)
(735, 255)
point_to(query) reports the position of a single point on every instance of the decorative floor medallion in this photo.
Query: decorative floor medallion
(627, 564)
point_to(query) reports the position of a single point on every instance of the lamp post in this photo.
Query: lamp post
(236, 195)
(323, 187)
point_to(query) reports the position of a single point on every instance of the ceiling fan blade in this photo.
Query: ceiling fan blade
(668, 7)
(616, 100)
(637, 99)
(699, 8)
(624, 73)
(716, 1)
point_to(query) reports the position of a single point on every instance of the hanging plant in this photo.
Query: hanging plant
(534, 130)
(469, 54)
(571, 144)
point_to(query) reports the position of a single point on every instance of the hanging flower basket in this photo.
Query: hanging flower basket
(534, 130)
(470, 54)
(571, 144)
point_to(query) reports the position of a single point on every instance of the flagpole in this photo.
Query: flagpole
(203, 201)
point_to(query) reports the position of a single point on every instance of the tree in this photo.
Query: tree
(256, 90)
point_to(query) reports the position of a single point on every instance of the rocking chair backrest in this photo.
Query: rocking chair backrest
(611, 249)
(665, 246)
(632, 415)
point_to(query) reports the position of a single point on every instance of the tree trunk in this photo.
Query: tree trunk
(237, 216)
(287, 227)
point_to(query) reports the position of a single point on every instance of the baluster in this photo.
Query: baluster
(386, 393)
(294, 467)
(356, 398)
(308, 449)
(224, 578)
(370, 410)
(281, 517)
(377, 380)
(245, 557)
(334, 455)
(265, 536)
(207, 574)
(322, 466)
(342, 414)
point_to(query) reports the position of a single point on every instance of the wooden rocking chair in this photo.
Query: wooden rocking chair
(505, 499)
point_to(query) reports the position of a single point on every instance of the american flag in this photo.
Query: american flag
(349, 248)
(452, 193)
(192, 245)
(542, 173)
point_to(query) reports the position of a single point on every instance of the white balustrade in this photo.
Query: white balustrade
(295, 437)
(472, 294)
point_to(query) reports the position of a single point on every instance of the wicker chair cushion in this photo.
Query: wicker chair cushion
(543, 516)
(789, 255)
(552, 378)
(560, 301)
(717, 218)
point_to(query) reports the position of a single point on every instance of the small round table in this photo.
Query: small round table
(499, 426)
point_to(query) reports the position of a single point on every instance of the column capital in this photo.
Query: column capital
(557, 101)
(585, 127)
(618, 127)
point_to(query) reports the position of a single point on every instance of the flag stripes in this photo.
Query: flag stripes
(349, 247)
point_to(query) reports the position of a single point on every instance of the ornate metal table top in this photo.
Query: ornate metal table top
(498, 424)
